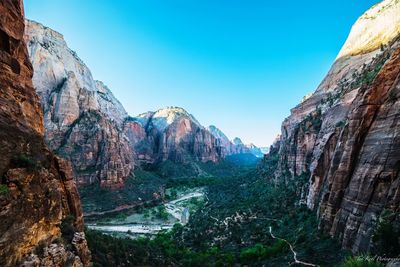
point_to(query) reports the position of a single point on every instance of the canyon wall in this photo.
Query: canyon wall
(83, 119)
(38, 196)
(346, 135)
(235, 146)
(87, 125)
(174, 134)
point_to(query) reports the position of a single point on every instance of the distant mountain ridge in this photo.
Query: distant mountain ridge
(86, 124)
(236, 146)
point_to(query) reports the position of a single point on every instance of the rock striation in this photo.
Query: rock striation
(235, 146)
(256, 151)
(376, 27)
(83, 120)
(172, 134)
(87, 125)
(38, 192)
(346, 135)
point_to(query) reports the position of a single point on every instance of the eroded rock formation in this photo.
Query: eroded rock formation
(37, 188)
(87, 125)
(83, 119)
(172, 134)
(235, 146)
(347, 133)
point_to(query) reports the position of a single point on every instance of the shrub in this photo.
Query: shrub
(340, 124)
(3, 189)
(25, 161)
(162, 213)
(253, 253)
(386, 237)
(121, 216)
(67, 228)
(259, 251)
(392, 96)
(40, 248)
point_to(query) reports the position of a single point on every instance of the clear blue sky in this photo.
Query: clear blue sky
(240, 65)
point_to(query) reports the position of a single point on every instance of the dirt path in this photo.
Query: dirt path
(292, 249)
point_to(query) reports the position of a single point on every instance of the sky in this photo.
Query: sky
(239, 65)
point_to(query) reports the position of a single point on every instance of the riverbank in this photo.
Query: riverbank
(152, 220)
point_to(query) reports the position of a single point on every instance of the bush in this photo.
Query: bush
(361, 261)
(67, 228)
(162, 213)
(173, 194)
(386, 238)
(259, 252)
(25, 161)
(253, 253)
(121, 216)
(39, 250)
(392, 96)
(340, 124)
(3, 189)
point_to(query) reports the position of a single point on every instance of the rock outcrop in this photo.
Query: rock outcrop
(347, 133)
(37, 189)
(83, 119)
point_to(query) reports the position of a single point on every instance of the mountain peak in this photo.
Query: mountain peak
(217, 133)
(46, 31)
(376, 27)
(164, 117)
(251, 145)
(171, 111)
(237, 141)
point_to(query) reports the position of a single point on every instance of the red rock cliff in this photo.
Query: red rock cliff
(38, 192)
(346, 135)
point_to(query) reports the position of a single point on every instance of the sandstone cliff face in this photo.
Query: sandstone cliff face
(37, 188)
(378, 26)
(224, 142)
(235, 146)
(87, 125)
(83, 119)
(172, 134)
(346, 134)
(239, 147)
(255, 150)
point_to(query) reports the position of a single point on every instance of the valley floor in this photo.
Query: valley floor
(240, 219)
(152, 220)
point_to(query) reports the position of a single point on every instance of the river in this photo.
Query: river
(145, 222)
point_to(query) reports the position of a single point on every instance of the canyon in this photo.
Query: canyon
(86, 124)
(334, 169)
